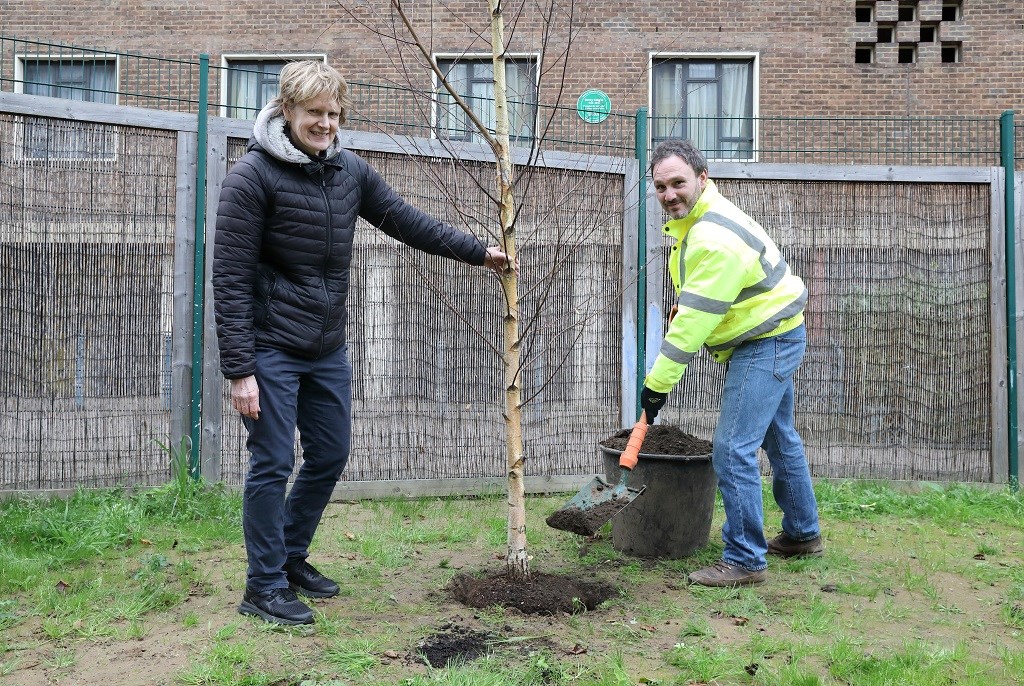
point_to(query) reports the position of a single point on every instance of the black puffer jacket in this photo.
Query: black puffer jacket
(284, 247)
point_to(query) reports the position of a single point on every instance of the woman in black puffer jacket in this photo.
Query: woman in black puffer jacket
(285, 227)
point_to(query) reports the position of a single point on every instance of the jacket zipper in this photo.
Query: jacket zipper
(323, 268)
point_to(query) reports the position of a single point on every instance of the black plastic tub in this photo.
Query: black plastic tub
(672, 517)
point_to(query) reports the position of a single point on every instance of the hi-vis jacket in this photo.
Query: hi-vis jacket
(732, 286)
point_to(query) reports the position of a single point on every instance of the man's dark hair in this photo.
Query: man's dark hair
(684, 149)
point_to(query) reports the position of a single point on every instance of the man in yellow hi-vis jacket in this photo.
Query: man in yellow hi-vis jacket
(737, 296)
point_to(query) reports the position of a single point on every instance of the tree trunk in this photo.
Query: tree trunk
(517, 560)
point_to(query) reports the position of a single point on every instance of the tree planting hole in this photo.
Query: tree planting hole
(452, 643)
(540, 594)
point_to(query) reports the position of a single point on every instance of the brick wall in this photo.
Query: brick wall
(806, 47)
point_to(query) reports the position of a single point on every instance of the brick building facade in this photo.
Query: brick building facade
(732, 58)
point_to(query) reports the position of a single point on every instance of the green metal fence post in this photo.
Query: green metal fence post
(640, 144)
(199, 274)
(1006, 145)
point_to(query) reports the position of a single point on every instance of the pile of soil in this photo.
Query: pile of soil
(452, 643)
(662, 439)
(541, 594)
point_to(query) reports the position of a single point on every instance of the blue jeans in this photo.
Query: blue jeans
(316, 397)
(757, 410)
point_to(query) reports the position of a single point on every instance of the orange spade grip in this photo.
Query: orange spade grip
(628, 459)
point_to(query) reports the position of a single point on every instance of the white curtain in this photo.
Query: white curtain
(244, 91)
(516, 82)
(251, 85)
(483, 97)
(737, 110)
(668, 104)
(450, 118)
(82, 80)
(702, 106)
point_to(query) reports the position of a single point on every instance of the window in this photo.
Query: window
(907, 53)
(864, 53)
(951, 52)
(928, 32)
(83, 79)
(251, 82)
(864, 12)
(907, 11)
(708, 100)
(885, 33)
(473, 79)
(952, 10)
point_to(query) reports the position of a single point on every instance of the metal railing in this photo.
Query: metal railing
(174, 84)
(139, 80)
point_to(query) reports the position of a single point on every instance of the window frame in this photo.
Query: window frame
(736, 55)
(20, 60)
(226, 64)
(518, 141)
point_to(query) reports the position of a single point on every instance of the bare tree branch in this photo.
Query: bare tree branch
(397, 4)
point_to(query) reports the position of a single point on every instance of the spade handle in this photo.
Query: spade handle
(628, 459)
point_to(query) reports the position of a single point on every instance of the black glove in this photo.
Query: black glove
(652, 402)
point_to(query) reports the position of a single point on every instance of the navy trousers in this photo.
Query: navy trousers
(316, 397)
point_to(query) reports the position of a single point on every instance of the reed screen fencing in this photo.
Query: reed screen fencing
(901, 380)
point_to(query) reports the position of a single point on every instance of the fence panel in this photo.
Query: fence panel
(88, 214)
(896, 382)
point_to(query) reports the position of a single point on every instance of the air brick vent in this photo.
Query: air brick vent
(920, 31)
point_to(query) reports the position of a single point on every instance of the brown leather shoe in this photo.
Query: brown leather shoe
(724, 575)
(784, 546)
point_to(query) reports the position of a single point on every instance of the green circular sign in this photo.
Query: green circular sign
(594, 106)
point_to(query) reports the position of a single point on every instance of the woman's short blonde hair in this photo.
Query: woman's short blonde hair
(308, 79)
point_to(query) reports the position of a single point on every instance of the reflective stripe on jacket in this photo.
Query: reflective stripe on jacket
(731, 283)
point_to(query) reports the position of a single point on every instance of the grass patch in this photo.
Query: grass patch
(907, 576)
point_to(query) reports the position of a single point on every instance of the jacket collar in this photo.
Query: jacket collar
(270, 133)
(677, 228)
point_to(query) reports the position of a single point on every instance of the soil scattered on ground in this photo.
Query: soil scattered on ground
(586, 521)
(452, 643)
(662, 439)
(541, 594)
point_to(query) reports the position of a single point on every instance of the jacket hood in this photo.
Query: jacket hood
(269, 132)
